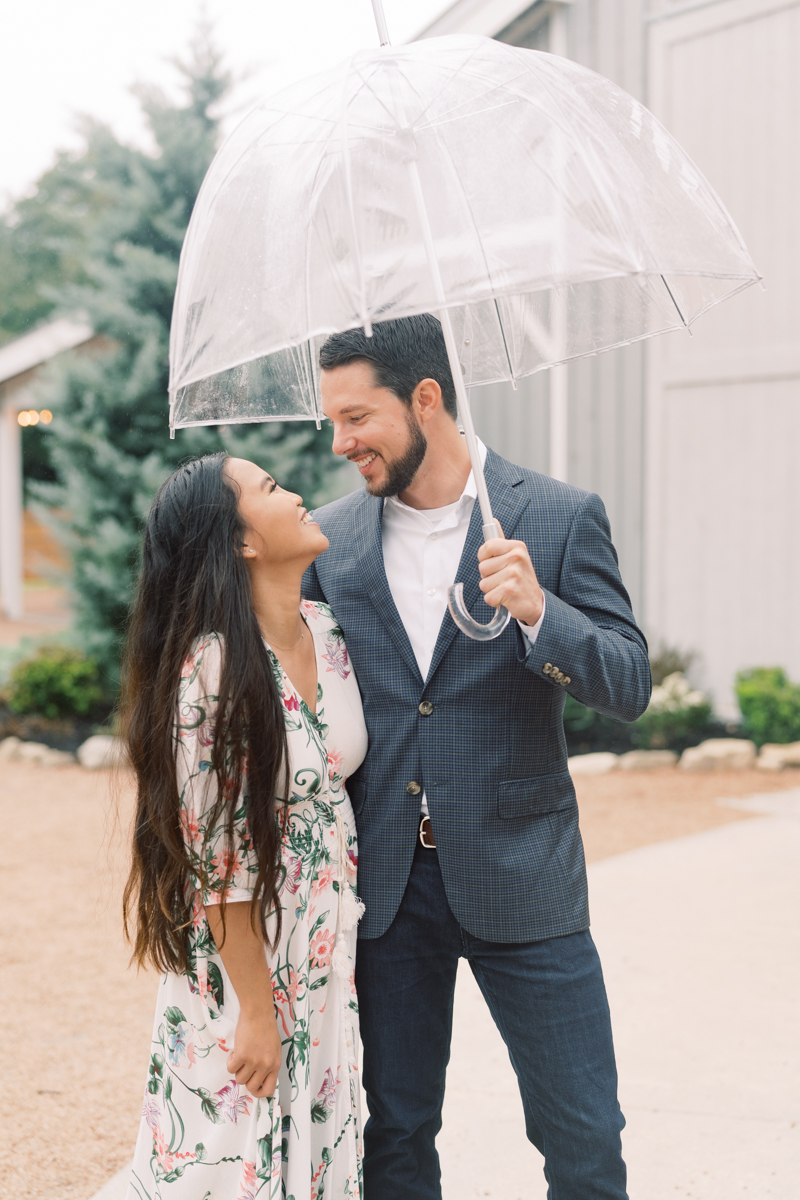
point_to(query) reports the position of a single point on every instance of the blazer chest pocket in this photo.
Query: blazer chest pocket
(536, 796)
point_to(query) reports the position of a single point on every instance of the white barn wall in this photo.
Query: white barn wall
(724, 407)
(692, 443)
(606, 399)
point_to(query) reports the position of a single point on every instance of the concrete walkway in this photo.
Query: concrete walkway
(700, 941)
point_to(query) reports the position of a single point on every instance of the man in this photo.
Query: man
(466, 813)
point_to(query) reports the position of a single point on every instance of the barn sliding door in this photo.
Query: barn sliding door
(723, 407)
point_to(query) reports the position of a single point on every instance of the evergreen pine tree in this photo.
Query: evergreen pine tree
(109, 441)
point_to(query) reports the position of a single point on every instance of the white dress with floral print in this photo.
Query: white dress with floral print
(202, 1136)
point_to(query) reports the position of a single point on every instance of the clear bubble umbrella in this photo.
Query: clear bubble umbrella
(540, 211)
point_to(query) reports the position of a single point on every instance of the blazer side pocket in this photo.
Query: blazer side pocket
(536, 796)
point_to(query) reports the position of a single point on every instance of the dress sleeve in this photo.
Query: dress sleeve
(209, 852)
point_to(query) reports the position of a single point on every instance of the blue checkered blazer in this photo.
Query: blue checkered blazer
(491, 756)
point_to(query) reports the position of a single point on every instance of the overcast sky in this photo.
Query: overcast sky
(63, 57)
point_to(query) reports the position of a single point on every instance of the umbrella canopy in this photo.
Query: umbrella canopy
(540, 206)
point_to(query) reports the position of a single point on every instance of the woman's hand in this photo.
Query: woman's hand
(256, 1055)
(255, 1059)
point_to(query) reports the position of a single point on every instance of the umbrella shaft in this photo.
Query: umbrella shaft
(490, 528)
(380, 21)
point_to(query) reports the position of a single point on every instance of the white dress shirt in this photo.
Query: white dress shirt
(422, 550)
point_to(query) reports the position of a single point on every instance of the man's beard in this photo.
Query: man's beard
(400, 473)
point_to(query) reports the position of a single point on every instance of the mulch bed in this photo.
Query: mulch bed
(68, 733)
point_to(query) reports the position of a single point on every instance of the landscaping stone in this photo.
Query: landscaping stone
(593, 764)
(102, 750)
(773, 757)
(719, 754)
(647, 760)
(55, 758)
(8, 749)
(12, 749)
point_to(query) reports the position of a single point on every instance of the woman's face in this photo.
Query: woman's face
(278, 529)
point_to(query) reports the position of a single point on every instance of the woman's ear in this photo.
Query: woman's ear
(248, 551)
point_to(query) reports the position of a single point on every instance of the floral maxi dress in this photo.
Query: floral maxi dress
(202, 1135)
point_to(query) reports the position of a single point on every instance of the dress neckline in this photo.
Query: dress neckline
(312, 712)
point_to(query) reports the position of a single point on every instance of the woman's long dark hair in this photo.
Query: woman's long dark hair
(194, 581)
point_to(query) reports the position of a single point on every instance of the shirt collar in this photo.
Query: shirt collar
(470, 488)
(470, 491)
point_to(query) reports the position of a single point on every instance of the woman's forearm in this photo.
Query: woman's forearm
(256, 1056)
(241, 949)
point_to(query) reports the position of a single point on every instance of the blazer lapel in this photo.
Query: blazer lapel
(369, 550)
(508, 504)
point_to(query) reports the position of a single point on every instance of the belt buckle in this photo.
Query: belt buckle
(423, 831)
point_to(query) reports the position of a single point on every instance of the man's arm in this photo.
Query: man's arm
(588, 642)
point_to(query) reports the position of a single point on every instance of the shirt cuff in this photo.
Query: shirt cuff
(532, 631)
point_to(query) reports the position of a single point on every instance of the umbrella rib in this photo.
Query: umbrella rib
(464, 116)
(505, 343)
(477, 233)
(351, 212)
(367, 84)
(462, 67)
(675, 302)
(471, 100)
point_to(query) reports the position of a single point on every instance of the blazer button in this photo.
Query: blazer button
(548, 668)
(426, 708)
(413, 788)
(567, 680)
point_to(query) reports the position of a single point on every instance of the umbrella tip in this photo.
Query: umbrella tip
(368, 329)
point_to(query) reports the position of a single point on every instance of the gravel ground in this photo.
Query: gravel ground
(77, 1023)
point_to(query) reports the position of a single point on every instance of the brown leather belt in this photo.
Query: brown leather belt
(426, 837)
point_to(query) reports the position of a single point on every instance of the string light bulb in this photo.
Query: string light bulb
(30, 416)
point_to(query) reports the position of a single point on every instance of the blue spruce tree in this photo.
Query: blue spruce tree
(113, 220)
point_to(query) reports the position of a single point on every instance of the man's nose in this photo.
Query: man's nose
(342, 442)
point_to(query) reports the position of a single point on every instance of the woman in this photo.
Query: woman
(243, 719)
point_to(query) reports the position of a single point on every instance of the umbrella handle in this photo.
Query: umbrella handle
(467, 623)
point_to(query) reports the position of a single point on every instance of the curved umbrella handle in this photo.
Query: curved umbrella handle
(467, 623)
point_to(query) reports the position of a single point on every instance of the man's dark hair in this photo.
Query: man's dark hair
(402, 352)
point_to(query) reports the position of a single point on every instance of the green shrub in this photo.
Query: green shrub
(676, 711)
(676, 717)
(770, 705)
(668, 660)
(55, 682)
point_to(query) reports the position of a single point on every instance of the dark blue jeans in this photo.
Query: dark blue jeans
(548, 1001)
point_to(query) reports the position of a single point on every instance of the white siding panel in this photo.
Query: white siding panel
(605, 393)
(515, 423)
(723, 460)
(730, 529)
(732, 99)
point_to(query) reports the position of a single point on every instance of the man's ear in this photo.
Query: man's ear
(426, 399)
